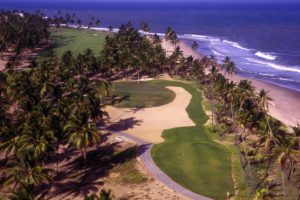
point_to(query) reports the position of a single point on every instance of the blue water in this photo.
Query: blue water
(262, 38)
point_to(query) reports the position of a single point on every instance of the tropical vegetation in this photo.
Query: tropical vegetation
(59, 101)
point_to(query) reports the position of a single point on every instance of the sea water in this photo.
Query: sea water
(262, 38)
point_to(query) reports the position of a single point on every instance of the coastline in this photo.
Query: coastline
(285, 104)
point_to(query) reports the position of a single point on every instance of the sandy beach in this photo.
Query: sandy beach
(285, 104)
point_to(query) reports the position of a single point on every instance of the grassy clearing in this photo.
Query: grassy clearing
(190, 156)
(76, 40)
(145, 94)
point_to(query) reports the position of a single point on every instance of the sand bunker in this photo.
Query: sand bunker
(149, 123)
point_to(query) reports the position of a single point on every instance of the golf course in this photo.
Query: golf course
(113, 112)
(76, 40)
(188, 155)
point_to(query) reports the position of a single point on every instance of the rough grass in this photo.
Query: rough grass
(190, 156)
(76, 40)
(144, 94)
(128, 172)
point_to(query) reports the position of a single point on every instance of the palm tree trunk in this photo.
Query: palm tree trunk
(84, 157)
(283, 185)
(212, 106)
(246, 158)
(269, 127)
(57, 159)
(212, 112)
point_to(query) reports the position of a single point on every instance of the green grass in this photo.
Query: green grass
(144, 94)
(190, 156)
(76, 40)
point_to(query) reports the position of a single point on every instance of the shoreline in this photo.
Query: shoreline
(285, 104)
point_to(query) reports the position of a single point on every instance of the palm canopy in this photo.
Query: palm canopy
(195, 45)
(264, 99)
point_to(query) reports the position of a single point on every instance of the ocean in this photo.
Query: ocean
(263, 39)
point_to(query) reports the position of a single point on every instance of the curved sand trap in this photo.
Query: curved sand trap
(149, 123)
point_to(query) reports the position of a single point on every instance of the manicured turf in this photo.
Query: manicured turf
(191, 157)
(76, 40)
(144, 94)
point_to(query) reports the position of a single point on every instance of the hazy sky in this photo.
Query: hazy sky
(279, 1)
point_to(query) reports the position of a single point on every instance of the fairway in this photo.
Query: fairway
(144, 94)
(76, 40)
(191, 157)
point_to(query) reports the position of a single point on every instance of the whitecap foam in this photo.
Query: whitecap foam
(199, 37)
(275, 66)
(266, 56)
(195, 36)
(263, 74)
(236, 45)
(216, 53)
(286, 79)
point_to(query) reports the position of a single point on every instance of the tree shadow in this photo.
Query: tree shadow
(74, 181)
(124, 124)
(115, 99)
(57, 42)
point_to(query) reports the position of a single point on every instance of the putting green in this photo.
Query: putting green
(144, 94)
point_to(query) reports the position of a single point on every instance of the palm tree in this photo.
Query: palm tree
(296, 130)
(90, 25)
(264, 105)
(168, 36)
(198, 71)
(174, 39)
(175, 58)
(79, 23)
(214, 73)
(144, 27)
(81, 133)
(195, 47)
(287, 153)
(98, 22)
(25, 193)
(228, 66)
(103, 195)
(21, 173)
(156, 39)
(35, 142)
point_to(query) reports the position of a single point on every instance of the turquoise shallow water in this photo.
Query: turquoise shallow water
(262, 38)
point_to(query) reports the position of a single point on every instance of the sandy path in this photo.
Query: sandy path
(149, 123)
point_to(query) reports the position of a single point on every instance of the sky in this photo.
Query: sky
(279, 1)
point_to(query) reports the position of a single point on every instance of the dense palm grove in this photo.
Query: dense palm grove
(59, 102)
(20, 30)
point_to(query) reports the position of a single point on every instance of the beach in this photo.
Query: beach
(285, 103)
